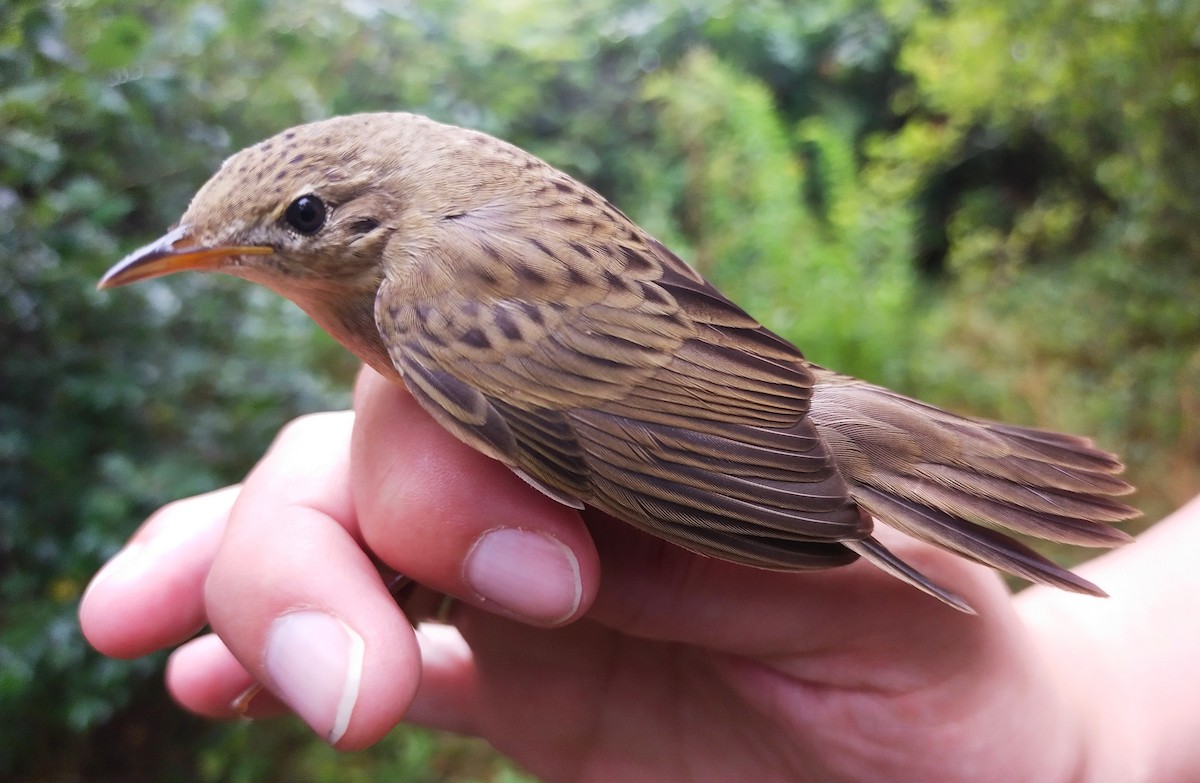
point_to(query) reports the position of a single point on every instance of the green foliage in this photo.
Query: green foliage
(112, 405)
(779, 219)
(287, 752)
(992, 206)
(1054, 147)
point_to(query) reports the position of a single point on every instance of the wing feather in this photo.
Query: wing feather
(638, 389)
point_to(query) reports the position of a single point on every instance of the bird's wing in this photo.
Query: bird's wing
(614, 375)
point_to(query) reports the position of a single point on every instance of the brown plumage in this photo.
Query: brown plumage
(541, 326)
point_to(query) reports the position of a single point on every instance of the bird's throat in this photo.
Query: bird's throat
(350, 319)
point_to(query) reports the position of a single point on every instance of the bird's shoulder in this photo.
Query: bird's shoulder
(572, 307)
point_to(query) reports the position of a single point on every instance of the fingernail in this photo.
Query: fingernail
(530, 574)
(244, 700)
(315, 662)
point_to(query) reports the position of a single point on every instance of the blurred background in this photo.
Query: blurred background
(992, 206)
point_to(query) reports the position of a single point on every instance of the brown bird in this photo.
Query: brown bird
(537, 323)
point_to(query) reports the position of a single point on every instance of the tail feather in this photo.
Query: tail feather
(975, 542)
(875, 552)
(1037, 512)
(1057, 447)
(956, 482)
(1014, 468)
(1041, 489)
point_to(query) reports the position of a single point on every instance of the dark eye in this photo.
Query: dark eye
(306, 214)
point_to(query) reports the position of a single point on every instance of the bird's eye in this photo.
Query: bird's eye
(306, 214)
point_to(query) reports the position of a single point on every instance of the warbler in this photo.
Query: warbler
(537, 323)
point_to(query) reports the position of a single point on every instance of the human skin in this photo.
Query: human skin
(670, 667)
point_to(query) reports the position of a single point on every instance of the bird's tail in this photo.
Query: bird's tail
(957, 482)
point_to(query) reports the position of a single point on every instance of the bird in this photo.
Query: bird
(537, 323)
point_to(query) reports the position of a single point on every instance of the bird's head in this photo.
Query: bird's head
(311, 214)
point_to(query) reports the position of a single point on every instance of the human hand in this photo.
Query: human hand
(671, 667)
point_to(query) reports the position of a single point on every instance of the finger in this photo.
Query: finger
(297, 601)
(457, 521)
(150, 595)
(448, 694)
(204, 677)
(655, 590)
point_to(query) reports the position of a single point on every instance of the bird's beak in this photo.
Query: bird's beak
(176, 251)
